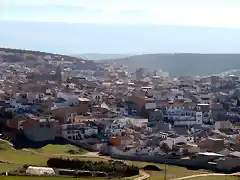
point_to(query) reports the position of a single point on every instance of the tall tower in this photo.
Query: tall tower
(58, 75)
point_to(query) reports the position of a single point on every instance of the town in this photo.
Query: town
(105, 109)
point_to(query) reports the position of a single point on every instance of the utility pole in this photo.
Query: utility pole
(165, 171)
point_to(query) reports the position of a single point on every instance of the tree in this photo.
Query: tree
(175, 148)
(165, 147)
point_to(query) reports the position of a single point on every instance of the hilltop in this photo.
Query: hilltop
(18, 55)
(99, 56)
(183, 64)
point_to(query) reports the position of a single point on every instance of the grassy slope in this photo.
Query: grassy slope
(61, 149)
(21, 157)
(176, 172)
(17, 158)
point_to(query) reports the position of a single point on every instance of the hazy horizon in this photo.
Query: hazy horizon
(121, 27)
(68, 38)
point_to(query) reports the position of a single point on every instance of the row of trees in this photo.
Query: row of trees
(111, 167)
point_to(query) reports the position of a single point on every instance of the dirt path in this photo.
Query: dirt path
(88, 154)
(205, 175)
(143, 176)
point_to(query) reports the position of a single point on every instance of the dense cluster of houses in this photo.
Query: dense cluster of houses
(133, 113)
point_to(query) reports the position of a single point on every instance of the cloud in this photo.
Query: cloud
(216, 13)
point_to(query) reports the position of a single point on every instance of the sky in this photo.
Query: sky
(121, 26)
(211, 13)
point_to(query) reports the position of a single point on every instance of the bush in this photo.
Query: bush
(151, 168)
(109, 167)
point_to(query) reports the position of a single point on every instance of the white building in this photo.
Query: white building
(70, 98)
(40, 171)
(223, 125)
(78, 131)
(170, 141)
(184, 117)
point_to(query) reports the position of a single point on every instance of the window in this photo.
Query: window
(48, 125)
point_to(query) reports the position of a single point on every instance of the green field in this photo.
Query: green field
(177, 172)
(20, 157)
(61, 149)
(8, 167)
(12, 159)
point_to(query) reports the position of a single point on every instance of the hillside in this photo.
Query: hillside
(17, 55)
(183, 64)
(21, 51)
(98, 56)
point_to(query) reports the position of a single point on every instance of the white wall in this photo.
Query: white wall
(199, 117)
(150, 106)
(223, 125)
(91, 131)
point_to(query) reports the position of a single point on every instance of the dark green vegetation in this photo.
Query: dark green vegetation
(113, 167)
(44, 178)
(21, 51)
(183, 64)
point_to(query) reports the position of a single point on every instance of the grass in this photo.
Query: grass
(43, 178)
(172, 171)
(18, 158)
(61, 149)
(177, 172)
(4, 167)
(21, 157)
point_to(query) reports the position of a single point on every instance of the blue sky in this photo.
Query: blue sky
(121, 26)
(211, 13)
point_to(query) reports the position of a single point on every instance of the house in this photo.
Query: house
(78, 130)
(175, 139)
(46, 100)
(144, 105)
(223, 125)
(31, 97)
(16, 122)
(212, 144)
(84, 101)
(190, 148)
(121, 140)
(65, 114)
(15, 106)
(39, 129)
(97, 97)
(182, 115)
(71, 99)
(101, 108)
(156, 115)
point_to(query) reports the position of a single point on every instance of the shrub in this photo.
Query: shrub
(108, 167)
